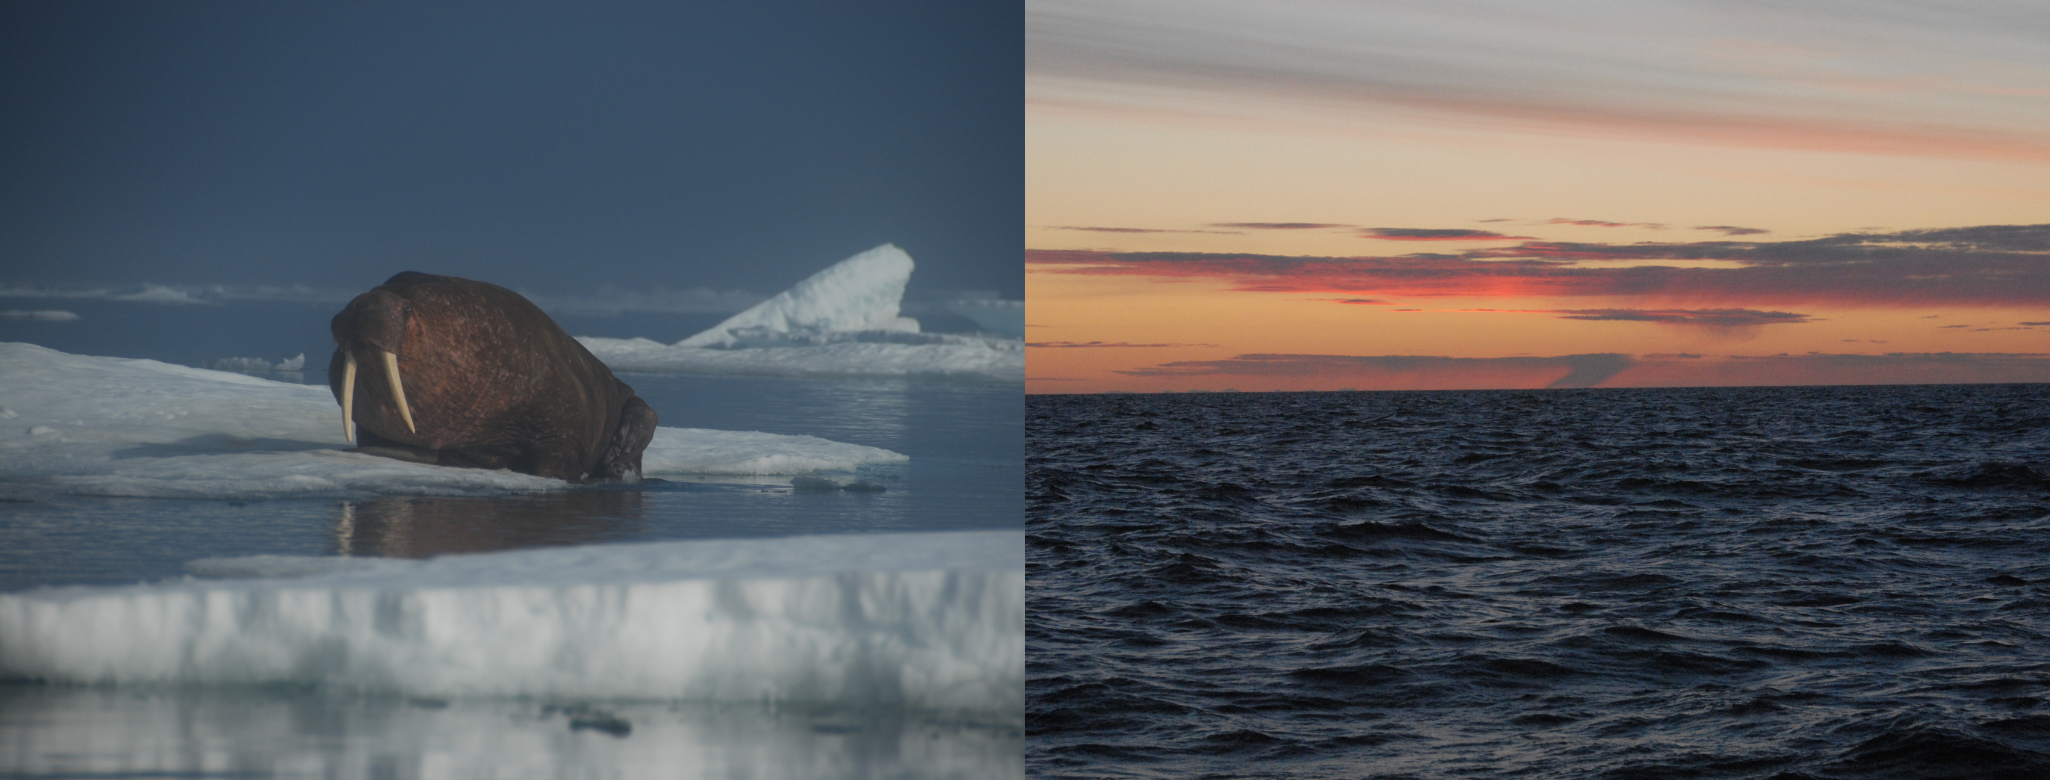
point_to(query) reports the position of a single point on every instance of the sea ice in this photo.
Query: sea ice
(930, 622)
(119, 427)
(842, 321)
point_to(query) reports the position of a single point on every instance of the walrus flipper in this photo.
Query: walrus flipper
(623, 455)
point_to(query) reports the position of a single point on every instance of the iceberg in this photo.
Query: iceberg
(859, 293)
(843, 321)
(119, 427)
(928, 622)
(941, 355)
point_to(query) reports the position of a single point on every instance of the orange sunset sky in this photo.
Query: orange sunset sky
(1292, 195)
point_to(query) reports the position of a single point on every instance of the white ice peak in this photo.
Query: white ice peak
(860, 293)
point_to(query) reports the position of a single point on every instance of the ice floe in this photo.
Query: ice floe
(928, 621)
(119, 427)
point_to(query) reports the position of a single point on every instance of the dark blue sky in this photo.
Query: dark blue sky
(551, 147)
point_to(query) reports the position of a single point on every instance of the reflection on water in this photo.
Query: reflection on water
(894, 414)
(408, 527)
(252, 732)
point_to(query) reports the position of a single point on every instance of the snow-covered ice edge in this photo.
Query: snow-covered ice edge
(72, 424)
(929, 622)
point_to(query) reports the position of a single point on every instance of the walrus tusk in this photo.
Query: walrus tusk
(348, 396)
(398, 391)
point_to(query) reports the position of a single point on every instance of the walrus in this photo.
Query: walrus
(437, 369)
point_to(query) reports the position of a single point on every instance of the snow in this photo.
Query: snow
(930, 622)
(842, 321)
(119, 427)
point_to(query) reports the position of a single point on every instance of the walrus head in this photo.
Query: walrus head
(374, 325)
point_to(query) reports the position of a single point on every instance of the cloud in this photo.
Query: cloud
(1809, 76)
(1278, 225)
(1603, 223)
(1096, 344)
(157, 293)
(1992, 265)
(1579, 370)
(1733, 230)
(1140, 230)
(1721, 318)
(1429, 234)
(1893, 368)
(205, 294)
(51, 315)
(1361, 301)
(1684, 369)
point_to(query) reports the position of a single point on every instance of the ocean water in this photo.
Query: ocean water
(963, 439)
(1808, 582)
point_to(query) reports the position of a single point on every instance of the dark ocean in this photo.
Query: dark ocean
(1803, 582)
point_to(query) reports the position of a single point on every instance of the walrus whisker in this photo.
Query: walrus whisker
(348, 396)
(398, 391)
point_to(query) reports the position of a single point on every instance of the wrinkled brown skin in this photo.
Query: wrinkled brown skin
(492, 382)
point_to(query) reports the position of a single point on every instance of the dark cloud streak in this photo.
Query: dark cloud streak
(1721, 318)
(1581, 370)
(1092, 229)
(1279, 225)
(1992, 265)
(1603, 223)
(1436, 234)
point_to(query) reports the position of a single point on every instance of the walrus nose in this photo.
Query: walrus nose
(398, 391)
